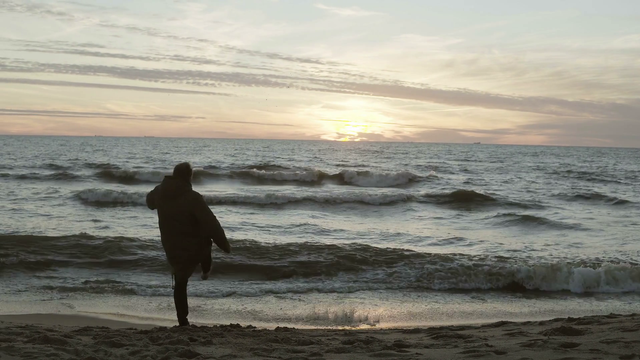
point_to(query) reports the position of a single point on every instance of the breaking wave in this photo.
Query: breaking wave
(108, 197)
(256, 174)
(314, 176)
(266, 167)
(373, 179)
(316, 267)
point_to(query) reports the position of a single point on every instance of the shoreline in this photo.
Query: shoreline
(610, 336)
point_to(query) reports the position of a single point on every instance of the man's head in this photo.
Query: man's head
(183, 171)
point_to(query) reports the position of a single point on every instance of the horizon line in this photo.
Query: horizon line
(318, 140)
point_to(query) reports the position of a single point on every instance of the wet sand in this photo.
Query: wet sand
(54, 336)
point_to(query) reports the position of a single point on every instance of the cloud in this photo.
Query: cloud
(34, 9)
(95, 115)
(253, 123)
(106, 86)
(45, 10)
(393, 90)
(68, 48)
(486, 100)
(353, 11)
(152, 32)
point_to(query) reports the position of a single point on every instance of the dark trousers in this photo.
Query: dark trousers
(182, 275)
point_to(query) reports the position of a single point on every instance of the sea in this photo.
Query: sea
(324, 234)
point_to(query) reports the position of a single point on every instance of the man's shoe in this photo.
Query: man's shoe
(184, 322)
(205, 275)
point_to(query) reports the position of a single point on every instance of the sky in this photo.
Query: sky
(492, 71)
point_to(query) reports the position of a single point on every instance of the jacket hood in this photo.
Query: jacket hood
(173, 187)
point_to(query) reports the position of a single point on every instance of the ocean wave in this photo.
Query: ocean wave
(595, 197)
(322, 198)
(129, 177)
(308, 176)
(374, 179)
(55, 167)
(101, 166)
(590, 176)
(267, 174)
(132, 177)
(314, 176)
(266, 167)
(525, 220)
(31, 253)
(461, 197)
(317, 267)
(57, 176)
(107, 197)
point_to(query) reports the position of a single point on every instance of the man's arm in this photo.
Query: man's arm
(210, 224)
(151, 199)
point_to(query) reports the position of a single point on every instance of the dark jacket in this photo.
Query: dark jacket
(187, 225)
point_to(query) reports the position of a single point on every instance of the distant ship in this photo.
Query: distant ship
(148, 136)
(477, 143)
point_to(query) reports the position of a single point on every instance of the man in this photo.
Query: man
(187, 227)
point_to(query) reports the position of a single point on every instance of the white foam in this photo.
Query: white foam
(351, 177)
(373, 179)
(339, 316)
(608, 278)
(303, 176)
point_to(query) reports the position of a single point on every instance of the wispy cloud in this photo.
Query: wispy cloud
(106, 86)
(44, 10)
(96, 115)
(403, 91)
(352, 11)
(89, 50)
(254, 123)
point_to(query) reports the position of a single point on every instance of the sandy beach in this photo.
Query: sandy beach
(78, 337)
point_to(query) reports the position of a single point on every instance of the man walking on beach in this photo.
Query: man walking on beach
(187, 227)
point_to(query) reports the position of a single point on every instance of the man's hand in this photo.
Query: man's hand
(223, 244)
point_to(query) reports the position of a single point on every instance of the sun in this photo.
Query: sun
(349, 130)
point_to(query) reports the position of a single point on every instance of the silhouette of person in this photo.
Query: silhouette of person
(187, 227)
